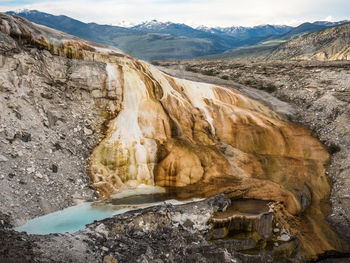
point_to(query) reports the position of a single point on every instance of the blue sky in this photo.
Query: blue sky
(192, 12)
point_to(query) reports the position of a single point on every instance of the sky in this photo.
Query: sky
(212, 13)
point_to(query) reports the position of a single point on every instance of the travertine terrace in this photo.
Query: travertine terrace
(170, 132)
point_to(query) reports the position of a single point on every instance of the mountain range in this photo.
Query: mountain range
(77, 115)
(154, 40)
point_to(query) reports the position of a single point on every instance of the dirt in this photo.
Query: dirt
(52, 119)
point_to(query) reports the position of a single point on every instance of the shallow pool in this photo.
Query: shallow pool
(76, 217)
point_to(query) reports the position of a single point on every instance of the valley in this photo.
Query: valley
(254, 153)
(155, 40)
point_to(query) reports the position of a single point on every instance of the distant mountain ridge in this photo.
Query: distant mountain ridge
(154, 40)
(138, 43)
(239, 32)
(328, 44)
(256, 31)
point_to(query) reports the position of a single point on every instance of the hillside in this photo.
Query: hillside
(304, 28)
(306, 42)
(157, 40)
(328, 44)
(137, 43)
(82, 121)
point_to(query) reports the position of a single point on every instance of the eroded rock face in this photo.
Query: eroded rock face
(170, 132)
(175, 133)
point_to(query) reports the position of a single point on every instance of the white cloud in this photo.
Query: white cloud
(194, 12)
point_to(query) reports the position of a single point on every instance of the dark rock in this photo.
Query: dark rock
(57, 146)
(54, 168)
(26, 137)
(18, 115)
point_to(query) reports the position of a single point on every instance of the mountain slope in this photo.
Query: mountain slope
(328, 44)
(150, 128)
(161, 41)
(173, 29)
(135, 42)
(252, 32)
(302, 29)
(157, 40)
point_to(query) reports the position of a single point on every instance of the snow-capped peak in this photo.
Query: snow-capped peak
(153, 24)
(22, 11)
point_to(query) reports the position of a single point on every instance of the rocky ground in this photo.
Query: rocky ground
(52, 117)
(47, 129)
(163, 233)
(318, 96)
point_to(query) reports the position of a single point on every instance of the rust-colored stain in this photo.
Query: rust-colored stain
(176, 133)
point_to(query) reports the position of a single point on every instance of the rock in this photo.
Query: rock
(237, 219)
(101, 229)
(178, 128)
(38, 175)
(2, 176)
(109, 259)
(276, 230)
(149, 252)
(3, 159)
(54, 168)
(87, 131)
(31, 170)
(188, 223)
(284, 237)
(26, 137)
(57, 146)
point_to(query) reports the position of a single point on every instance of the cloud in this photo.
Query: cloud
(194, 12)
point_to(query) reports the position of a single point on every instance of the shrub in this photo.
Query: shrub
(208, 72)
(155, 63)
(270, 87)
(248, 82)
(225, 77)
(189, 68)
